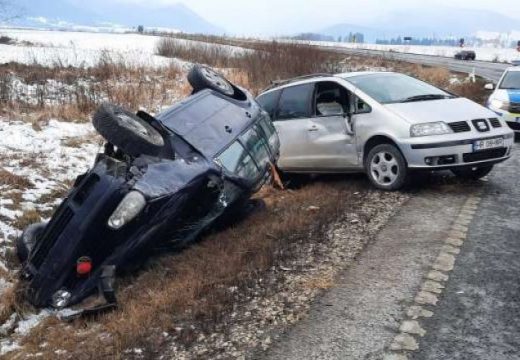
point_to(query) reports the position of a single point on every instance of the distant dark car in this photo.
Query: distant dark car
(466, 55)
(159, 182)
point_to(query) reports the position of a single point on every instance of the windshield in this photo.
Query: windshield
(388, 88)
(511, 80)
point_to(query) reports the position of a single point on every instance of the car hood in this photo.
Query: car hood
(448, 110)
(505, 95)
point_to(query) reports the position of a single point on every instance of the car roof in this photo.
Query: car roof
(513, 68)
(320, 77)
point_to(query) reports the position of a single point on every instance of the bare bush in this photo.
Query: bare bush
(71, 94)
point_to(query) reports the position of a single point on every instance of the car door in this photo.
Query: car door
(330, 138)
(291, 119)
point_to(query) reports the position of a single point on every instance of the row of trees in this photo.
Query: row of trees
(351, 37)
(419, 41)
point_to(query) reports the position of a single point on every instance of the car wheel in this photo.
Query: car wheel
(386, 167)
(472, 173)
(25, 242)
(133, 135)
(202, 77)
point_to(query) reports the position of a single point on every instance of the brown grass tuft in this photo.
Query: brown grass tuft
(27, 218)
(13, 180)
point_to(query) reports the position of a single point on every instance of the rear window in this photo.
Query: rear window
(295, 102)
(269, 101)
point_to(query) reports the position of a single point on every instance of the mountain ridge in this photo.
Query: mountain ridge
(66, 13)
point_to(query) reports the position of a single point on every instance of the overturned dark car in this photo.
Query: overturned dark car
(160, 181)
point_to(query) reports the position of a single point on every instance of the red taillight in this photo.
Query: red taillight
(84, 266)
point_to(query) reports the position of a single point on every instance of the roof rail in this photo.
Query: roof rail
(275, 83)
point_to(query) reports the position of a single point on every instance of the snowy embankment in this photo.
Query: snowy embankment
(484, 54)
(40, 163)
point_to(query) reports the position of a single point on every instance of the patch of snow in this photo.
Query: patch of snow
(7, 346)
(25, 325)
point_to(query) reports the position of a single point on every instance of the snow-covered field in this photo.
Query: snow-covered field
(79, 48)
(83, 49)
(483, 53)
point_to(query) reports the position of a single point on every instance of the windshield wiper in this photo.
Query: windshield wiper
(426, 97)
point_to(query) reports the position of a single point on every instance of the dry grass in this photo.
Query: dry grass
(72, 94)
(14, 181)
(471, 90)
(27, 218)
(260, 64)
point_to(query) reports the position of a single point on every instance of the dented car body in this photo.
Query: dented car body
(217, 150)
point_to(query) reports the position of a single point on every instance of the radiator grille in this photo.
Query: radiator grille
(460, 126)
(495, 122)
(50, 235)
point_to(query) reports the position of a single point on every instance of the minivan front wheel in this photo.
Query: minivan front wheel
(386, 167)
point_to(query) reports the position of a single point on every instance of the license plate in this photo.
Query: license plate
(488, 144)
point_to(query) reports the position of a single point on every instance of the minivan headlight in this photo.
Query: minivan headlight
(427, 129)
(131, 205)
(499, 104)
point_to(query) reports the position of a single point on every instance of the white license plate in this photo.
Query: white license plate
(488, 144)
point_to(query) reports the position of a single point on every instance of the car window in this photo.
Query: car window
(387, 88)
(270, 131)
(359, 106)
(331, 99)
(237, 160)
(511, 80)
(269, 101)
(256, 145)
(295, 102)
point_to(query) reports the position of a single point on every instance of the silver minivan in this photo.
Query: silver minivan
(384, 124)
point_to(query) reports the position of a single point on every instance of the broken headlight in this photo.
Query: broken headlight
(131, 205)
(61, 298)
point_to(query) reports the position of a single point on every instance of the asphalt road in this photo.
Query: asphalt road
(479, 316)
(485, 69)
(359, 317)
(478, 313)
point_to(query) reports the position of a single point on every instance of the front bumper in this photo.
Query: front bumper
(457, 151)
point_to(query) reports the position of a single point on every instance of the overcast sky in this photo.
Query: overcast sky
(283, 16)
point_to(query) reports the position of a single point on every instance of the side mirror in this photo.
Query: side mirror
(489, 86)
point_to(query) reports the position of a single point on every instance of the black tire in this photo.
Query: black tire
(386, 167)
(202, 77)
(472, 172)
(133, 135)
(25, 242)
